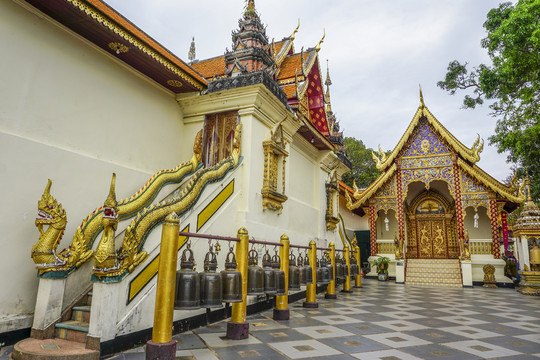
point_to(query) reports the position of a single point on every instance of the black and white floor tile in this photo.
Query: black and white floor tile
(382, 320)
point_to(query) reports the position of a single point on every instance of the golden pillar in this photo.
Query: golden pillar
(162, 345)
(311, 289)
(238, 328)
(358, 278)
(281, 312)
(331, 288)
(347, 284)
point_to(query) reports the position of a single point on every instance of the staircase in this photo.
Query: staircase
(76, 328)
(433, 272)
(69, 342)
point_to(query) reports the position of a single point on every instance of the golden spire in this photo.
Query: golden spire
(191, 54)
(111, 199)
(250, 8)
(421, 96)
(318, 47)
(295, 30)
(328, 82)
(528, 182)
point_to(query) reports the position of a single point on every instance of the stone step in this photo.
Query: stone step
(40, 349)
(72, 330)
(81, 313)
(433, 272)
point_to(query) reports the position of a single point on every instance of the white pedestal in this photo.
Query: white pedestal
(400, 271)
(48, 303)
(466, 271)
(104, 313)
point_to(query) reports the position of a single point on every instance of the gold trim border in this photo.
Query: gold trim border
(103, 19)
(214, 205)
(150, 270)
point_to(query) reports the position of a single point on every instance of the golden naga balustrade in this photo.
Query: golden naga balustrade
(51, 264)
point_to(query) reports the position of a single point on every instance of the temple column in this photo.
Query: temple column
(459, 204)
(496, 248)
(400, 214)
(373, 230)
(504, 223)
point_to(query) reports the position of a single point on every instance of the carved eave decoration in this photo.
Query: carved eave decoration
(103, 26)
(485, 179)
(362, 197)
(275, 156)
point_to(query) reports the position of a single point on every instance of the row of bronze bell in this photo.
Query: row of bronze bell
(208, 289)
(269, 279)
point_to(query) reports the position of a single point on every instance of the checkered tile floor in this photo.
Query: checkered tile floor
(382, 320)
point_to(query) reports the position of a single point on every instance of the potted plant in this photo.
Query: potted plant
(381, 262)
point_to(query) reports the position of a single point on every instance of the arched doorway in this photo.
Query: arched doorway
(433, 219)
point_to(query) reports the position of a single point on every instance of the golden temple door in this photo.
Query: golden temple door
(432, 240)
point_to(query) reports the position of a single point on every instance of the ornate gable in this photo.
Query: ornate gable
(425, 141)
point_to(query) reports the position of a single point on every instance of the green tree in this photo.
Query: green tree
(511, 83)
(363, 169)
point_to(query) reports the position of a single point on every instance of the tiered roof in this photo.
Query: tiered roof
(466, 160)
(297, 73)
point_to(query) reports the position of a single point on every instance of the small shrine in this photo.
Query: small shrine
(527, 235)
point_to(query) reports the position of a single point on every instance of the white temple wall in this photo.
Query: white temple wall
(382, 234)
(71, 113)
(352, 221)
(483, 231)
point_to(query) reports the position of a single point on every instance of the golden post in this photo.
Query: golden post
(166, 280)
(311, 289)
(358, 278)
(331, 288)
(281, 312)
(347, 284)
(238, 328)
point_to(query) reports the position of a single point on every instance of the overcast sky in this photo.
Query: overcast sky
(378, 52)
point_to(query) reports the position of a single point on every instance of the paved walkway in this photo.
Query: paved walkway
(382, 320)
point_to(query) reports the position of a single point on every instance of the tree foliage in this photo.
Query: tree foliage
(363, 171)
(511, 83)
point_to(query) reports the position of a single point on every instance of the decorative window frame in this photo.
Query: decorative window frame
(331, 199)
(275, 155)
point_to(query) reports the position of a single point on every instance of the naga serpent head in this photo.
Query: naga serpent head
(110, 207)
(49, 211)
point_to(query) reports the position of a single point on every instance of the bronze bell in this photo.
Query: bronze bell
(339, 270)
(354, 267)
(211, 285)
(325, 272)
(346, 270)
(294, 274)
(330, 268)
(255, 283)
(535, 257)
(309, 271)
(187, 283)
(269, 275)
(303, 270)
(231, 280)
(279, 275)
(319, 278)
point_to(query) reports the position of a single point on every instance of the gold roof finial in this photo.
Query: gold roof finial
(191, 54)
(421, 96)
(111, 199)
(295, 30)
(528, 182)
(328, 82)
(318, 47)
(250, 8)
